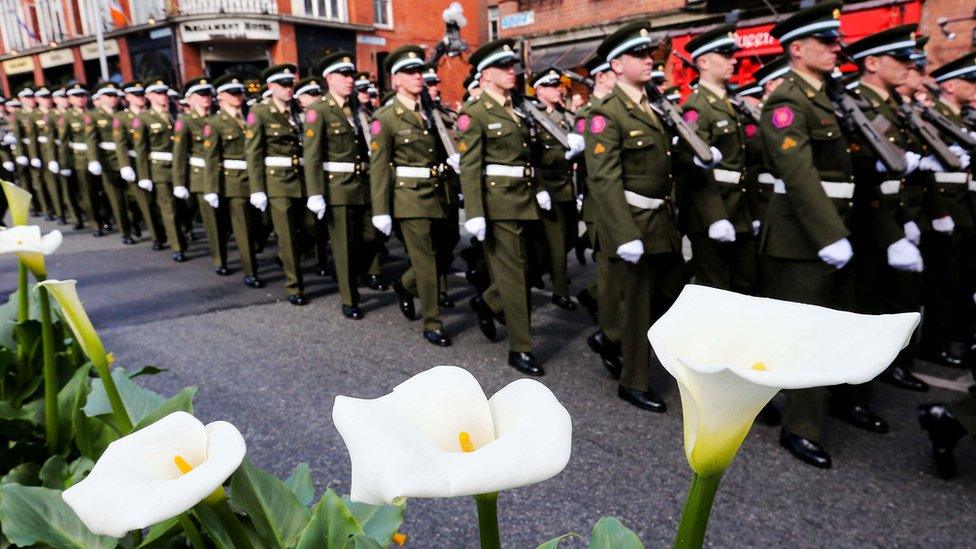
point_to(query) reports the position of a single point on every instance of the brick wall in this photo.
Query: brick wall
(561, 15)
(940, 49)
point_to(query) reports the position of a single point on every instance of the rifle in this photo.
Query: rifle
(856, 122)
(674, 119)
(749, 112)
(911, 117)
(359, 120)
(557, 132)
(949, 128)
(434, 114)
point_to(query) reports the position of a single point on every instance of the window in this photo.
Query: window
(92, 13)
(493, 23)
(145, 10)
(383, 13)
(325, 9)
(50, 21)
(17, 35)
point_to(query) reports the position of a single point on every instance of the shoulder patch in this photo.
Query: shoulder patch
(597, 124)
(599, 149)
(309, 132)
(375, 145)
(782, 117)
(788, 143)
(249, 134)
(580, 125)
(88, 120)
(136, 122)
(311, 115)
(206, 130)
(751, 131)
(375, 127)
(116, 123)
(179, 125)
(691, 116)
(251, 118)
(464, 122)
(462, 146)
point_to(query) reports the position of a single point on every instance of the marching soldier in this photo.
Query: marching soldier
(74, 156)
(717, 216)
(102, 160)
(45, 133)
(768, 77)
(226, 174)
(628, 159)
(408, 180)
(26, 153)
(66, 177)
(126, 154)
(273, 150)
(500, 198)
(307, 91)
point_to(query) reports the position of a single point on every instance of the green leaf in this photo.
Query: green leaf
(332, 525)
(18, 421)
(182, 401)
(364, 542)
(71, 398)
(32, 515)
(147, 371)
(53, 472)
(138, 401)
(379, 522)
(159, 534)
(211, 525)
(609, 533)
(554, 542)
(8, 317)
(77, 471)
(25, 473)
(93, 435)
(276, 513)
(300, 484)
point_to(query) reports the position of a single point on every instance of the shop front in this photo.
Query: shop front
(234, 44)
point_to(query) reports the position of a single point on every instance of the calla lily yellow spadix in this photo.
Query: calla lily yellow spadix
(156, 474)
(18, 202)
(731, 353)
(26, 241)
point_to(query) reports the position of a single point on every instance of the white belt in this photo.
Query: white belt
(198, 162)
(78, 146)
(235, 164)
(727, 176)
(415, 172)
(106, 146)
(340, 167)
(132, 154)
(42, 139)
(834, 189)
(642, 202)
(279, 161)
(767, 178)
(162, 156)
(972, 184)
(892, 186)
(951, 177)
(25, 140)
(501, 170)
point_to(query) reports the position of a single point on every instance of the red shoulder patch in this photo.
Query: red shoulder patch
(136, 122)
(116, 123)
(782, 117)
(179, 125)
(375, 127)
(206, 130)
(251, 118)
(311, 115)
(691, 116)
(88, 120)
(464, 122)
(751, 131)
(580, 125)
(597, 124)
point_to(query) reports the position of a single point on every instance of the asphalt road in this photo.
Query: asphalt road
(273, 370)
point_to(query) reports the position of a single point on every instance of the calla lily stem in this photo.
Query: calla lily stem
(488, 520)
(218, 502)
(50, 374)
(121, 416)
(698, 506)
(23, 313)
(191, 531)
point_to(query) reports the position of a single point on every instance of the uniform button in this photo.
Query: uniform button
(430, 150)
(406, 140)
(271, 172)
(425, 132)
(829, 134)
(639, 143)
(492, 183)
(850, 203)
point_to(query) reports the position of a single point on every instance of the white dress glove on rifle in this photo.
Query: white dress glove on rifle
(930, 164)
(383, 224)
(722, 230)
(36, 163)
(756, 227)
(127, 173)
(181, 192)
(544, 200)
(631, 252)
(259, 200)
(316, 203)
(913, 233)
(53, 167)
(146, 185)
(579, 203)
(95, 167)
(22, 160)
(837, 254)
(911, 161)
(961, 153)
(9, 166)
(944, 224)
(66, 172)
(454, 161)
(212, 199)
(476, 226)
(8, 139)
(576, 145)
(904, 256)
(716, 160)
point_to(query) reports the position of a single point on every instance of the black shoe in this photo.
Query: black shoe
(580, 250)
(859, 416)
(525, 363)
(437, 337)
(107, 227)
(588, 302)
(128, 240)
(945, 357)
(157, 245)
(322, 271)
(645, 400)
(375, 283)
(608, 352)
(804, 449)
(563, 302)
(98, 233)
(353, 312)
(486, 319)
(136, 230)
(222, 271)
(78, 226)
(444, 300)
(944, 432)
(297, 299)
(253, 282)
(62, 220)
(770, 415)
(179, 257)
(405, 301)
(902, 378)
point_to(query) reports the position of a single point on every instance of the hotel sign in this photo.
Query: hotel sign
(229, 29)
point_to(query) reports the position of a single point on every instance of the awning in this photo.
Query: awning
(565, 56)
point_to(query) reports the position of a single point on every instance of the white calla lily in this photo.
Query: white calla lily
(26, 241)
(156, 473)
(65, 292)
(731, 353)
(438, 435)
(18, 201)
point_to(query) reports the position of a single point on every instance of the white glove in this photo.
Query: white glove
(181, 192)
(632, 251)
(911, 161)
(961, 153)
(544, 200)
(904, 256)
(930, 164)
(9, 166)
(65, 172)
(716, 160)
(127, 173)
(259, 200)
(722, 230)
(579, 203)
(9, 139)
(912, 232)
(756, 227)
(476, 226)
(383, 224)
(316, 203)
(837, 254)
(944, 224)
(53, 167)
(36, 163)
(22, 160)
(212, 199)
(146, 185)
(576, 144)
(95, 167)
(454, 161)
